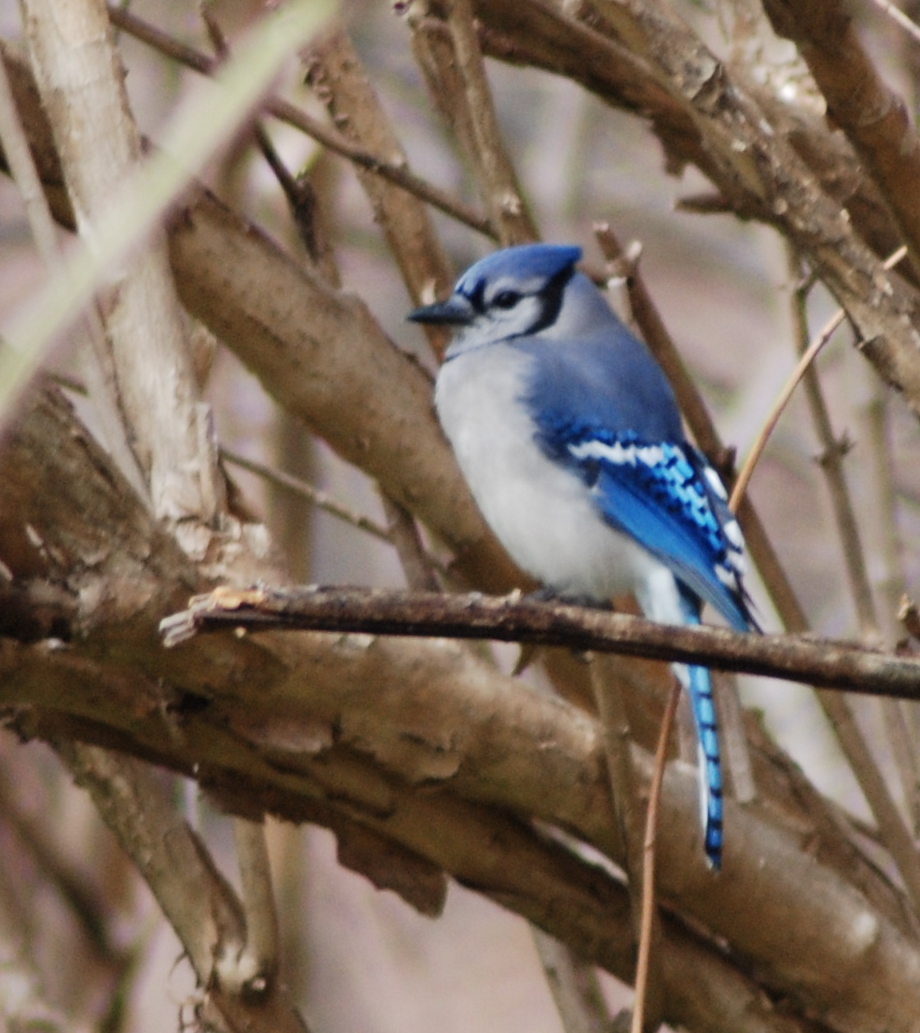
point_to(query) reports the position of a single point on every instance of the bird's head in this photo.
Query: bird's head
(512, 293)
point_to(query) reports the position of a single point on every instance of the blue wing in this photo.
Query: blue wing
(603, 406)
(665, 496)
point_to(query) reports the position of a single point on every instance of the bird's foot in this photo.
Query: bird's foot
(551, 595)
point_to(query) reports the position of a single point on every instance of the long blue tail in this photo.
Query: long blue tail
(710, 761)
(699, 682)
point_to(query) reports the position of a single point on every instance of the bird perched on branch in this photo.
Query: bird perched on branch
(568, 434)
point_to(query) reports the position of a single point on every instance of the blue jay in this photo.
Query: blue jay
(568, 434)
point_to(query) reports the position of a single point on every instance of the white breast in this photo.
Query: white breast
(541, 512)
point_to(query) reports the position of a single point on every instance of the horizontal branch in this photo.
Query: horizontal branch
(822, 662)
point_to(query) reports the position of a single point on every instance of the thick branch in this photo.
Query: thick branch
(342, 728)
(873, 116)
(82, 85)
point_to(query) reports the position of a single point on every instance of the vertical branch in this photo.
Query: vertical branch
(82, 85)
(41, 223)
(649, 912)
(451, 60)
(890, 586)
(574, 986)
(336, 73)
(194, 897)
(22, 168)
(624, 785)
(831, 463)
(890, 582)
(838, 709)
(624, 791)
(502, 192)
(256, 966)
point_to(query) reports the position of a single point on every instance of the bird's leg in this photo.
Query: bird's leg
(545, 594)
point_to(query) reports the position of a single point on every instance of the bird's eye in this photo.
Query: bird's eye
(506, 299)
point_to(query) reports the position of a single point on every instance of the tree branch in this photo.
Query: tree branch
(401, 736)
(731, 139)
(826, 663)
(873, 116)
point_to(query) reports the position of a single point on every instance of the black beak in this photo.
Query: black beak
(456, 311)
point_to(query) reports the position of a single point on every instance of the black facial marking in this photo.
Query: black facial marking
(506, 299)
(476, 297)
(551, 297)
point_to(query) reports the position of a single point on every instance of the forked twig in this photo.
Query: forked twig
(808, 357)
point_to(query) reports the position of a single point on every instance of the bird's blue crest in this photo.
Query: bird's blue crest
(524, 261)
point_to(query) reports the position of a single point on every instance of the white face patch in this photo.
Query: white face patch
(515, 284)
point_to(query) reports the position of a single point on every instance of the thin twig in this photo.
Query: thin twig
(22, 168)
(899, 18)
(779, 406)
(297, 190)
(284, 111)
(890, 581)
(831, 463)
(893, 828)
(497, 179)
(627, 806)
(340, 80)
(648, 854)
(782, 400)
(418, 566)
(306, 490)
